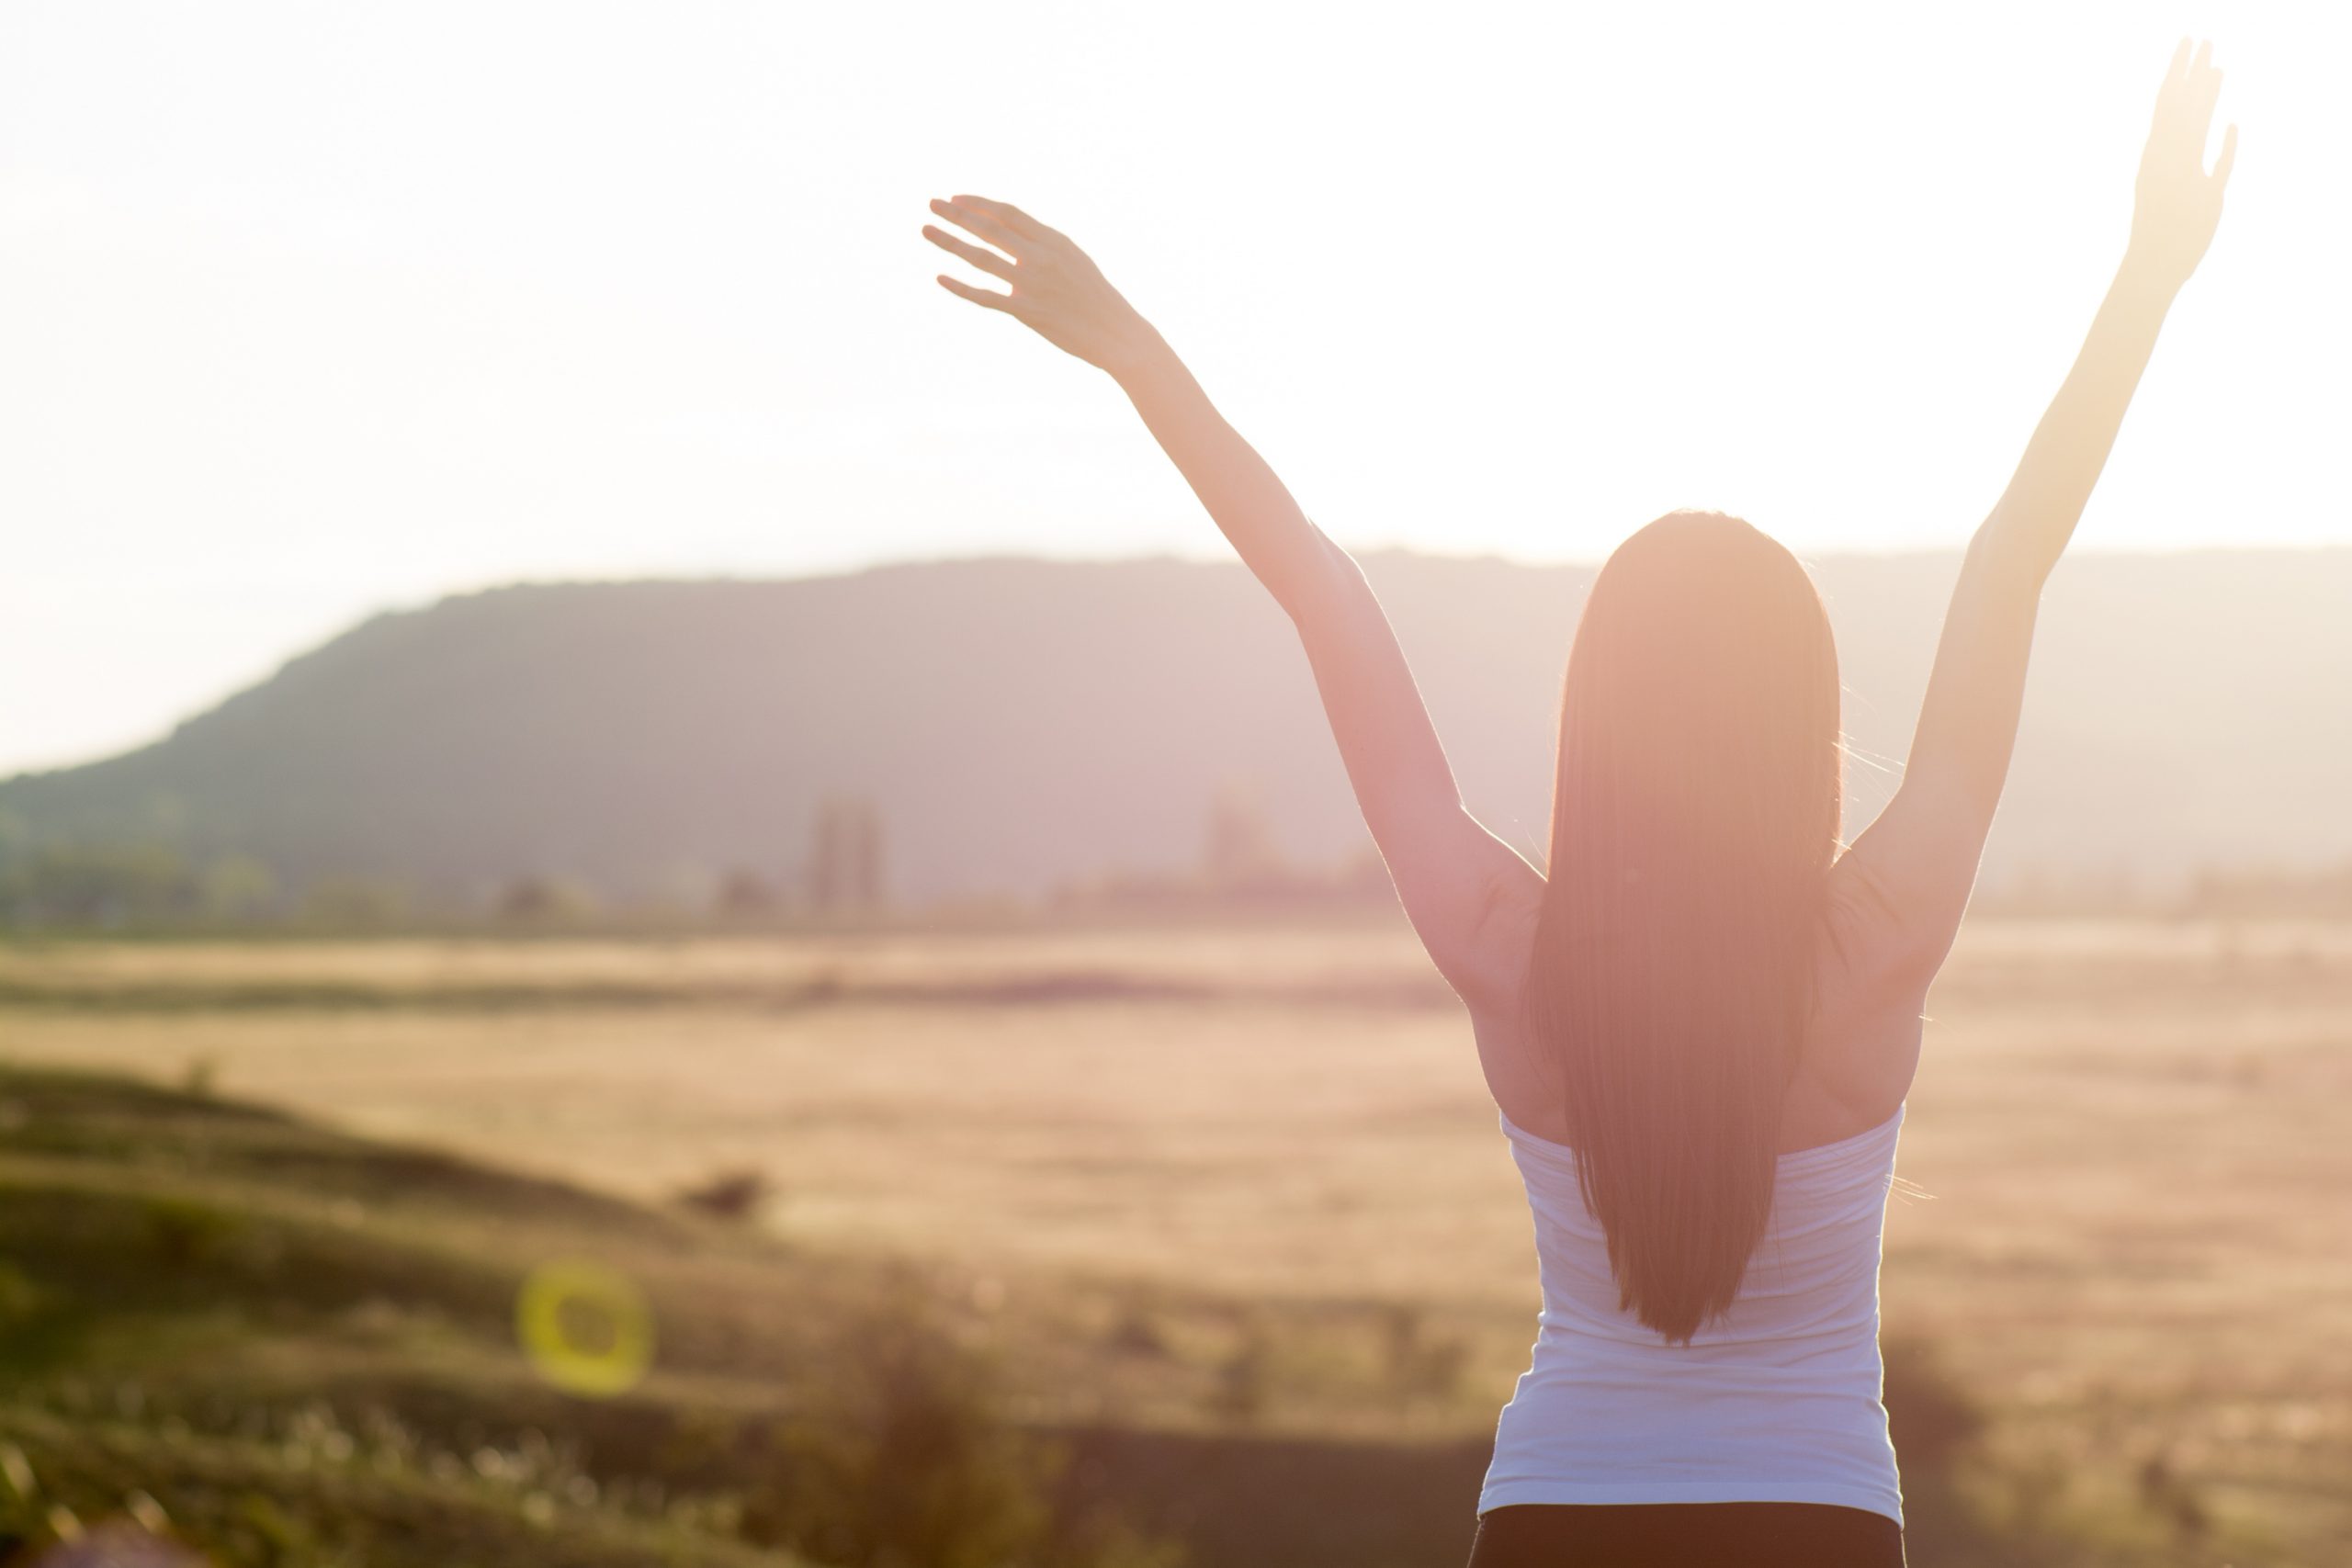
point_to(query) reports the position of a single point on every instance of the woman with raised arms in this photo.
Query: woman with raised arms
(1701, 1019)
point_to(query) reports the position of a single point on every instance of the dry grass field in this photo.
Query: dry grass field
(2124, 1226)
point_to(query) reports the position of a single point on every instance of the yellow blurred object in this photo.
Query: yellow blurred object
(147, 1512)
(17, 1471)
(596, 1372)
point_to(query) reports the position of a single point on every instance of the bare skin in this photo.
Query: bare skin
(1470, 896)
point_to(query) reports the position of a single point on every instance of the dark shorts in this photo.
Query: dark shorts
(1686, 1535)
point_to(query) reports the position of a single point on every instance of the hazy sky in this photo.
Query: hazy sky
(308, 310)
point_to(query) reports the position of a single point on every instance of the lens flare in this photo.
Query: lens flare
(586, 1328)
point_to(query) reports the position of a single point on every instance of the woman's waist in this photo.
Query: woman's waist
(1839, 1357)
(1753, 1421)
(1697, 1381)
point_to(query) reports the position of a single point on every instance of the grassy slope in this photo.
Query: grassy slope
(300, 1344)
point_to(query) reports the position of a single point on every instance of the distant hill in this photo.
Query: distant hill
(1022, 722)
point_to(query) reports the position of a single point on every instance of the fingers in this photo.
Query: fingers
(977, 296)
(2191, 85)
(2227, 160)
(1005, 212)
(2168, 91)
(987, 261)
(2205, 84)
(974, 221)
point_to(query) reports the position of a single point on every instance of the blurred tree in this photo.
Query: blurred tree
(102, 885)
(683, 889)
(238, 887)
(745, 894)
(545, 898)
(162, 817)
(355, 901)
(845, 858)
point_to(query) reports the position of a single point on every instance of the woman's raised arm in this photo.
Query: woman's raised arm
(1451, 874)
(1922, 852)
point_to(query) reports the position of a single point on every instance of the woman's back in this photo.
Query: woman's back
(1777, 1400)
(1891, 907)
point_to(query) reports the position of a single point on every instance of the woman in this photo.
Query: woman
(1701, 1026)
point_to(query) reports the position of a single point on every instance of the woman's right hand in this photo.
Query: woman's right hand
(1057, 290)
(2178, 204)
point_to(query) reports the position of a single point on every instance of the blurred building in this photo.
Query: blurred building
(846, 867)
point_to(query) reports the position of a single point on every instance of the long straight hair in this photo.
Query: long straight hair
(1695, 813)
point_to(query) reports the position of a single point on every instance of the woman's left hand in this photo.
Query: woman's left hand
(1057, 290)
(2177, 204)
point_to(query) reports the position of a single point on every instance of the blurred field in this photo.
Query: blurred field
(2126, 1222)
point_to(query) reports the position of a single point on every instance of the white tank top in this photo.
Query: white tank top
(1777, 1401)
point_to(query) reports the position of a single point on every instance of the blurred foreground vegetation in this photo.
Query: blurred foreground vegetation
(281, 1346)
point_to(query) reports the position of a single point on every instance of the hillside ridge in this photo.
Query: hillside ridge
(1019, 723)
